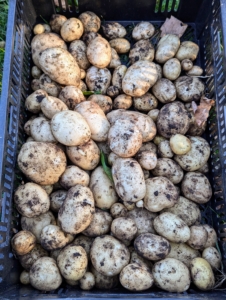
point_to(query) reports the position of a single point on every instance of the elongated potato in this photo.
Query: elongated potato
(202, 274)
(78, 50)
(164, 90)
(145, 103)
(142, 50)
(98, 79)
(99, 52)
(187, 50)
(213, 257)
(212, 236)
(114, 30)
(51, 106)
(198, 237)
(143, 30)
(121, 45)
(118, 74)
(195, 71)
(167, 47)
(71, 96)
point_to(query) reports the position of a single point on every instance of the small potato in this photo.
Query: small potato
(145, 103)
(108, 255)
(187, 50)
(103, 101)
(187, 210)
(99, 52)
(51, 106)
(72, 262)
(56, 22)
(89, 36)
(172, 69)
(124, 229)
(83, 74)
(74, 175)
(135, 278)
(85, 156)
(147, 159)
(31, 200)
(85, 242)
(164, 149)
(100, 224)
(212, 236)
(146, 176)
(47, 28)
(24, 277)
(213, 257)
(159, 71)
(28, 259)
(129, 205)
(104, 282)
(65, 123)
(123, 101)
(38, 29)
(48, 188)
(198, 237)
(41, 130)
(23, 242)
(186, 64)
(118, 74)
(202, 274)
(90, 21)
(195, 71)
(183, 253)
(36, 72)
(45, 275)
(27, 126)
(87, 282)
(78, 50)
(204, 169)
(56, 200)
(72, 282)
(171, 275)
(171, 227)
(180, 144)
(118, 210)
(114, 30)
(33, 102)
(143, 30)
(196, 187)
(35, 84)
(189, 88)
(71, 30)
(121, 45)
(149, 147)
(113, 91)
(164, 90)
(71, 96)
(98, 79)
(142, 50)
(51, 87)
(82, 86)
(137, 259)
(115, 60)
(160, 193)
(167, 47)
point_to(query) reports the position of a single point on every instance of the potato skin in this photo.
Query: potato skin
(145, 103)
(202, 274)
(189, 88)
(33, 101)
(90, 21)
(74, 175)
(118, 210)
(164, 90)
(85, 242)
(105, 102)
(28, 259)
(143, 30)
(41, 130)
(78, 50)
(167, 48)
(124, 229)
(51, 87)
(71, 96)
(142, 50)
(213, 257)
(104, 282)
(121, 45)
(71, 30)
(198, 237)
(172, 69)
(23, 242)
(164, 149)
(56, 22)
(98, 79)
(87, 282)
(187, 50)
(51, 106)
(212, 236)
(99, 52)
(114, 30)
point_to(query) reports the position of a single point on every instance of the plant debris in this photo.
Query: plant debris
(201, 111)
(173, 26)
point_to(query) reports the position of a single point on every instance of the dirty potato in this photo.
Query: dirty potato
(33, 101)
(145, 103)
(164, 90)
(23, 242)
(114, 30)
(143, 30)
(121, 45)
(98, 79)
(198, 237)
(41, 130)
(71, 96)
(90, 21)
(183, 253)
(99, 52)
(74, 175)
(105, 102)
(56, 200)
(123, 101)
(142, 50)
(124, 229)
(78, 50)
(71, 30)
(51, 106)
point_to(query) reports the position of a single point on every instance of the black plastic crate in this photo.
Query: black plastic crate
(207, 26)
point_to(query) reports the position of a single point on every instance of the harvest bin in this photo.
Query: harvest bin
(207, 26)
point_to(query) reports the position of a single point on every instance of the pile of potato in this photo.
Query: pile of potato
(141, 228)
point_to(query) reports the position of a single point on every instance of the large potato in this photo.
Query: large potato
(60, 66)
(114, 30)
(41, 130)
(142, 50)
(172, 228)
(143, 30)
(43, 163)
(99, 52)
(121, 45)
(71, 30)
(167, 47)
(77, 210)
(100, 224)
(172, 69)
(198, 237)
(160, 193)
(51, 106)
(128, 179)
(33, 101)
(74, 175)
(202, 274)
(23, 242)
(189, 88)
(108, 255)
(98, 79)
(187, 50)
(124, 229)
(183, 253)
(28, 259)
(164, 90)
(104, 282)
(90, 21)
(71, 96)
(103, 101)
(145, 103)
(139, 78)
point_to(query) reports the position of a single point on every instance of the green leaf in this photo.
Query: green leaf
(107, 170)
(88, 93)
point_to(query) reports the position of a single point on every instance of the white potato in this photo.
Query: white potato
(142, 50)
(103, 101)
(164, 90)
(187, 50)
(118, 74)
(78, 50)
(172, 69)
(90, 21)
(118, 210)
(100, 224)
(71, 30)
(74, 175)
(99, 52)
(145, 103)
(164, 149)
(51, 106)
(123, 101)
(114, 30)
(212, 236)
(56, 21)
(202, 274)
(213, 257)
(24, 277)
(87, 282)
(33, 101)
(98, 79)
(180, 144)
(189, 88)
(104, 282)
(41, 130)
(115, 60)
(147, 159)
(121, 45)
(56, 200)
(143, 30)
(167, 48)
(36, 72)
(71, 96)
(198, 237)
(124, 229)
(28, 259)
(51, 87)
(186, 64)
(23, 242)
(195, 71)
(183, 253)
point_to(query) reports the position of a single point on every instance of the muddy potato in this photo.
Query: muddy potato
(149, 147)
(85, 242)
(41, 130)
(98, 79)
(202, 274)
(71, 96)
(90, 21)
(100, 224)
(167, 47)
(56, 22)
(74, 175)
(124, 229)
(142, 50)
(120, 45)
(164, 90)
(112, 91)
(172, 69)
(36, 72)
(212, 236)
(195, 71)
(36, 224)
(204, 169)
(198, 237)
(187, 50)
(33, 101)
(189, 88)
(87, 282)
(23, 242)
(143, 30)
(147, 159)
(78, 50)
(35, 84)
(67, 74)
(82, 86)
(145, 103)
(27, 126)
(118, 210)
(114, 30)
(51, 106)
(105, 102)
(85, 156)
(104, 282)
(99, 52)
(71, 30)
(171, 275)
(160, 193)
(196, 187)
(56, 200)
(146, 176)
(108, 255)
(89, 36)
(51, 87)
(24, 277)
(45, 275)
(77, 210)
(183, 253)
(28, 259)
(180, 144)
(115, 60)
(137, 259)
(213, 257)
(164, 149)
(186, 64)
(118, 74)
(103, 189)
(123, 101)
(159, 71)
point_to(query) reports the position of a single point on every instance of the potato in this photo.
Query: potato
(51, 87)
(85, 242)
(204, 169)
(98, 79)
(24, 277)
(108, 255)
(112, 158)
(129, 204)
(187, 50)
(65, 123)
(71, 30)
(99, 52)
(23, 242)
(42, 42)
(145, 103)
(198, 237)
(56, 200)
(48, 188)
(196, 187)
(82, 74)
(71, 96)
(85, 156)
(38, 29)
(195, 71)
(36, 72)
(187, 210)
(42, 163)
(95, 118)
(82, 86)
(171, 275)
(89, 36)
(51, 106)
(123, 101)
(159, 71)
(99, 225)
(137, 259)
(213, 257)
(186, 64)
(77, 210)
(33, 102)
(118, 74)
(114, 30)
(202, 274)
(27, 126)
(118, 210)
(142, 50)
(36, 224)
(28, 259)
(124, 229)
(78, 50)
(183, 253)
(121, 45)
(180, 144)
(172, 228)
(128, 179)
(168, 168)
(104, 282)
(72, 262)
(56, 22)
(90, 21)
(149, 147)
(172, 69)
(139, 78)
(103, 101)
(103, 189)
(146, 176)
(160, 193)
(67, 74)
(35, 84)
(189, 88)
(115, 60)
(87, 282)
(45, 275)
(164, 90)
(212, 236)
(74, 175)
(172, 119)
(41, 130)
(143, 30)
(147, 159)
(164, 149)
(31, 200)
(113, 91)
(167, 48)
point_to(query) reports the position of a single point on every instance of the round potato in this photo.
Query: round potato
(24, 277)
(180, 144)
(172, 69)
(87, 282)
(23, 242)
(147, 159)
(51, 87)
(124, 229)
(90, 21)
(115, 60)
(142, 50)
(104, 282)
(114, 30)
(164, 149)
(103, 101)
(71, 30)
(145, 103)
(121, 45)
(28, 259)
(113, 91)
(98, 79)
(100, 224)
(198, 237)
(41, 130)
(118, 210)
(99, 52)
(85, 242)
(186, 64)
(118, 74)
(56, 22)
(149, 147)
(36, 72)
(212, 236)
(78, 50)
(189, 88)
(56, 200)
(33, 102)
(74, 175)
(202, 274)
(164, 90)
(51, 106)
(143, 30)
(123, 101)
(71, 96)
(187, 50)
(213, 257)
(167, 47)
